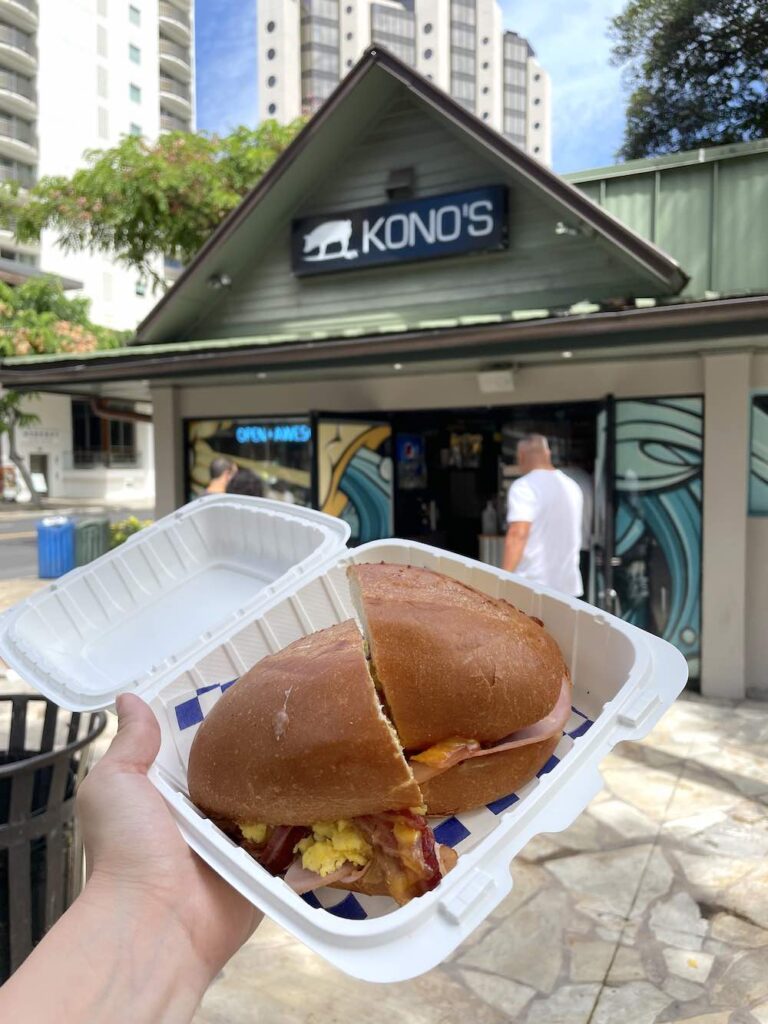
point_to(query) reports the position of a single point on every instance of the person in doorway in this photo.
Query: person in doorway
(544, 517)
(222, 471)
(245, 481)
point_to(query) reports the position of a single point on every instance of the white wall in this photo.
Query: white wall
(285, 40)
(75, 40)
(539, 112)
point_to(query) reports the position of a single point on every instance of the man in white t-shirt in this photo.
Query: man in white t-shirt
(544, 514)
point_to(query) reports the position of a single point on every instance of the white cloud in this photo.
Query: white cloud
(588, 99)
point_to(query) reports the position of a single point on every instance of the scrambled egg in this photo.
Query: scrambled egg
(331, 845)
(254, 833)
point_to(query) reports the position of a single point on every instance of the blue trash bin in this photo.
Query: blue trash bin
(55, 547)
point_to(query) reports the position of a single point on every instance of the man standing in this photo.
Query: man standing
(544, 513)
(222, 471)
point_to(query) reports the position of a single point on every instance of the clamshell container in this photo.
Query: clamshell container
(184, 607)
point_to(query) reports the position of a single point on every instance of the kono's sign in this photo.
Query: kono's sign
(413, 229)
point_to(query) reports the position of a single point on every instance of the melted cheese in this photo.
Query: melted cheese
(331, 845)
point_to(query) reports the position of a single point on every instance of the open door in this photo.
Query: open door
(648, 517)
(599, 588)
(353, 473)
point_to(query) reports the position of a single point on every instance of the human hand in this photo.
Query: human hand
(137, 859)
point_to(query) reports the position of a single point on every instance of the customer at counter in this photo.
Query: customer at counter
(544, 519)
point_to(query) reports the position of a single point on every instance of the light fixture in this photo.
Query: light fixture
(567, 355)
(261, 375)
(397, 366)
(561, 228)
(218, 281)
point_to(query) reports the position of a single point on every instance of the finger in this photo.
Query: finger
(137, 740)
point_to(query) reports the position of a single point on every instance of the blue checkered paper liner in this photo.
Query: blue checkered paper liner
(461, 831)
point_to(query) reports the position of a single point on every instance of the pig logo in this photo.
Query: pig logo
(328, 235)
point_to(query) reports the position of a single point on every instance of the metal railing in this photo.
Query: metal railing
(170, 123)
(115, 457)
(23, 173)
(174, 13)
(20, 40)
(15, 128)
(18, 84)
(171, 85)
(170, 49)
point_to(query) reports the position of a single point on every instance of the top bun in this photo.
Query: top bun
(301, 738)
(450, 660)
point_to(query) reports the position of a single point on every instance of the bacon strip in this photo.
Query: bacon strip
(435, 760)
(277, 853)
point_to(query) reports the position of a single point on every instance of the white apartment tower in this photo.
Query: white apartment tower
(77, 75)
(306, 46)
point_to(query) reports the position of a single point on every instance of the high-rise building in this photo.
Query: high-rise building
(306, 46)
(77, 75)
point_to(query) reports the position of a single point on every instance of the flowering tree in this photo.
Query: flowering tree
(139, 200)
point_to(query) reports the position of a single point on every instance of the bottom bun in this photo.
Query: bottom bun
(481, 780)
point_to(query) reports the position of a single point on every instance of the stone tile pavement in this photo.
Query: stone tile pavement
(652, 907)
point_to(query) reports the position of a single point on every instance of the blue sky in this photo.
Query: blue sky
(569, 38)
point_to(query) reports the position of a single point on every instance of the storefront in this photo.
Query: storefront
(405, 294)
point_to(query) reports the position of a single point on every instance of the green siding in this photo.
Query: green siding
(541, 268)
(709, 210)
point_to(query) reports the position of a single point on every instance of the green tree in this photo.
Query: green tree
(38, 317)
(697, 70)
(139, 200)
(11, 417)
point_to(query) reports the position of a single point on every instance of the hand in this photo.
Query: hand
(136, 856)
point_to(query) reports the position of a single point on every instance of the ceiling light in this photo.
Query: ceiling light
(261, 375)
(567, 355)
(397, 366)
(219, 281)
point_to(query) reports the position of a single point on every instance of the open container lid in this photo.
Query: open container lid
(141, 614)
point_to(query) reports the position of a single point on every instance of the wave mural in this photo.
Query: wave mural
(658, 524)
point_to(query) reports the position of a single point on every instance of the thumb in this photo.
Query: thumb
(137, 740)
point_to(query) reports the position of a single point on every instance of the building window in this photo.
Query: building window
(270, 54)
(537, 125)
(349, 8)
(485, 115)
(270, 26)
(103, 123)
(135, 128)
(271, 81)
(485, 65)
(537, 77)
(537, 149)
(485, 90)
(135, 93)
(349, 35)
(272, 108)
(134, 53)
(758, 457)
(349, 63)
(101, 8)
(427, 54)
(134, 15)
(320, 51)
(427, 28)
(97, 441)
(102, 82)
(395, 29)
(101, 41)
(486, 40)
(141, 287)
(536, 101)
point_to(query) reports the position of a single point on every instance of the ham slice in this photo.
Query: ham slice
(426, 765)
(301, 880)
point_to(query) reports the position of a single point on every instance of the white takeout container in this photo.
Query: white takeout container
(200, 596)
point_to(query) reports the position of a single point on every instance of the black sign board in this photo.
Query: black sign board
(408, 230)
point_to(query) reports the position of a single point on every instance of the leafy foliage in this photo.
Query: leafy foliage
(140, 201)
(125, 528)
(38, 317)
(12, 416)
(698, 71)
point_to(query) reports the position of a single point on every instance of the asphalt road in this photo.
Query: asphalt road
(18, 536)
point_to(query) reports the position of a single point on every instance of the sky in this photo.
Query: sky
(569, 38)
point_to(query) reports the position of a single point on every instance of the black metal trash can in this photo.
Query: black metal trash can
(45, 757)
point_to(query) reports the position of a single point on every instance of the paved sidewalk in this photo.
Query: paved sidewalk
(652, 907)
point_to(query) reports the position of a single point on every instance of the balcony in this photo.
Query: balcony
(17, 94)
(17, 138)
(175, 23)
(17, 49)
(170, 123)
(114, 457)
(175, 60)
(175, 96)
(21, 13)
(11, 170)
